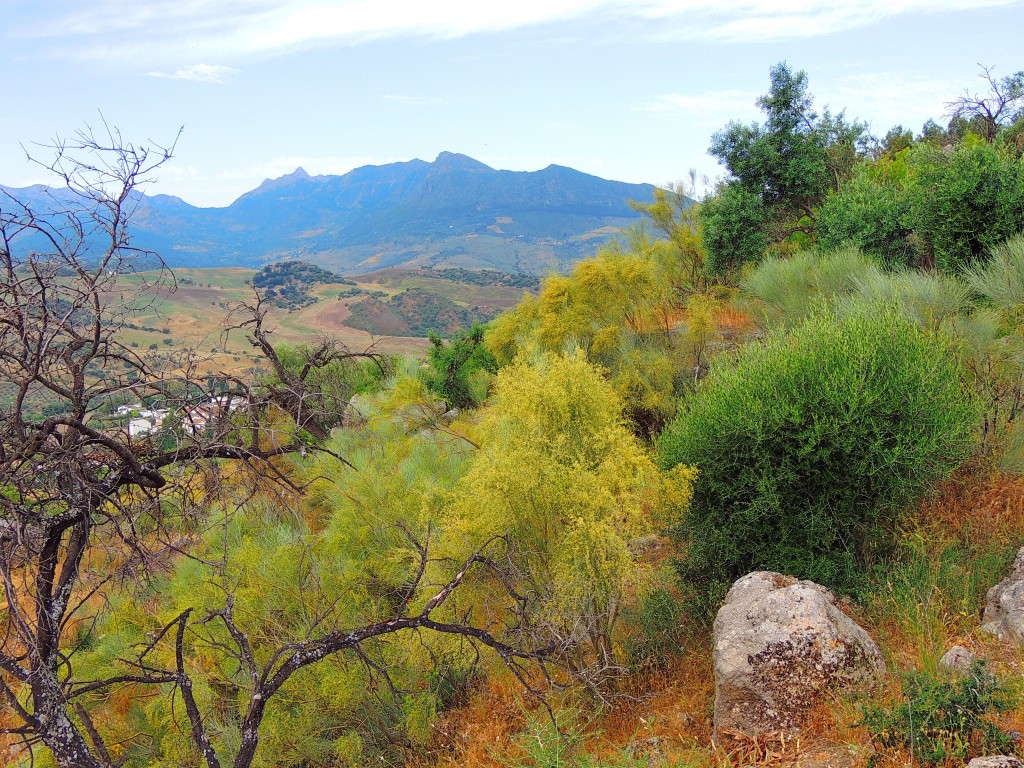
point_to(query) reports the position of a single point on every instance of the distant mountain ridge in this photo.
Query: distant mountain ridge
(452, 212)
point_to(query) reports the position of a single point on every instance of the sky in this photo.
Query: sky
(630, 90)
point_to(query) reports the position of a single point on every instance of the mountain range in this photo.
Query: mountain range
(452, 212)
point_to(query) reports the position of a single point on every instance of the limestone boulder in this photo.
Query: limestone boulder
(996, 761)
(780, 645)
(1004, 605)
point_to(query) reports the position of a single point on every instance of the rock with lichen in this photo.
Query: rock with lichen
(1004, 605)
(780, 644)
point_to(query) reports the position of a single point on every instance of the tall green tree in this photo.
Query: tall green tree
(778, 172)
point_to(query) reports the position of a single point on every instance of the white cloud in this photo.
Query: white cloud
(200, 73)
(882, 100)
(232, 29)
(714, 107)
(886, 100)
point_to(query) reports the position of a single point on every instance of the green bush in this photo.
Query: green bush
(871, 212)
(965, 201)
(941, 717)
(733, 222)
(460, 370)
(809, 445)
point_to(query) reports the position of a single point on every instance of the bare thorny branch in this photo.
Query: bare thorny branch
(990, 111)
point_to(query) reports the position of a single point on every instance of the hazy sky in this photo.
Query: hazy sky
(626, 89)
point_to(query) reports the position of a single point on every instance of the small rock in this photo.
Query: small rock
(958, 659)
(996, 761)
(355, 412)
(1004, 605)
(781, 644)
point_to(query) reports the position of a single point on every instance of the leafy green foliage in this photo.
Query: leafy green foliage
(965, 201)
(944, 718)
(461, 369)
(734, 223)
(872, 213)
(784, 159)
(810, 444)
(779, 172)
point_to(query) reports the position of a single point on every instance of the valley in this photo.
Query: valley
(196, 312)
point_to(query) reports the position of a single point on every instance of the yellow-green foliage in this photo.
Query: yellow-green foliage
(682, 254)
(618, 308)
(607, 296)
(337, 558)
(557, 471)
(563, 477)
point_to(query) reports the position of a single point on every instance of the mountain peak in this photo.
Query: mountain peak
(454, 161)
(281, 182)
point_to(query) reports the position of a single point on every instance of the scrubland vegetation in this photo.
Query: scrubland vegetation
(509, 554)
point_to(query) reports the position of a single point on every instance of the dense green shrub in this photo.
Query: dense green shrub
(872, 213)
(965, 201)
(941, 718)
(460, 369)
(733, 222)
(812, 441)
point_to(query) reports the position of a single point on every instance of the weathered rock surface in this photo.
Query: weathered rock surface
(958, 659)
(780, 644)
(996, 761)
(355, 412)
(1004, 605)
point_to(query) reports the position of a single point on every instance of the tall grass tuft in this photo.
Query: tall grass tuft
(783, 292)
(1000, 281)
